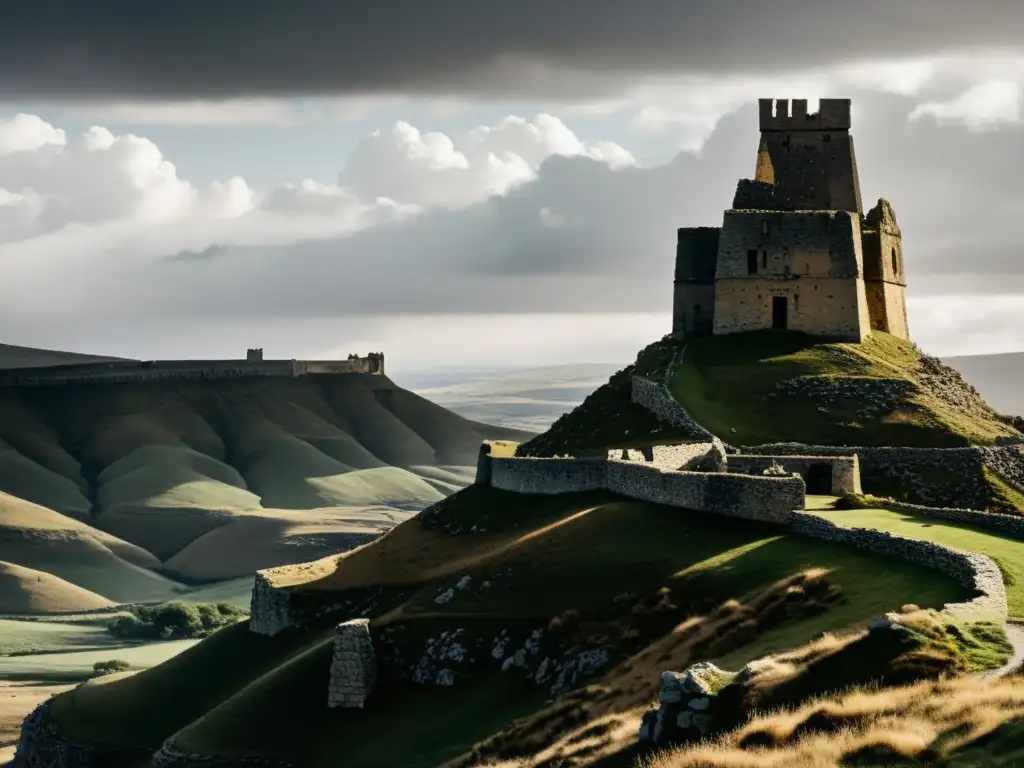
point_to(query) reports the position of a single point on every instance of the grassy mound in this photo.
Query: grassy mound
(28, 591)
(34, 537)
(769, 386)
(627, 571)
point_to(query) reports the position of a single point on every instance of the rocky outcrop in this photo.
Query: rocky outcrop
(685, 710)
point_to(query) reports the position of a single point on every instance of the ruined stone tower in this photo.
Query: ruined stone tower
(795, 250)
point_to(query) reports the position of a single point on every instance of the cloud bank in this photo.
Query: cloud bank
(521, 217)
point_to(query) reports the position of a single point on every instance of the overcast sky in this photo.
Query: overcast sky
(470, 183)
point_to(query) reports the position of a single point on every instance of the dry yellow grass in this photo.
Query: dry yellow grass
(927, 721)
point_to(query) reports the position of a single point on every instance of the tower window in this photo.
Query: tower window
(752, 262)
(764, 259)
(765, 228)
(895, 263)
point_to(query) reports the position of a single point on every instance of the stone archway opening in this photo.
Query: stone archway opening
(819, 480)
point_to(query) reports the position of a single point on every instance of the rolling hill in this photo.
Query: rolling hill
(132, 491)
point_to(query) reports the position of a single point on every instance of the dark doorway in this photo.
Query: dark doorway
(752, 262)
(780, 312)
(819, 480)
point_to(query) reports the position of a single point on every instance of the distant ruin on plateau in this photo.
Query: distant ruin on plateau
(198, 370)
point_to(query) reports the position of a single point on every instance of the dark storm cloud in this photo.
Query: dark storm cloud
(86, 49)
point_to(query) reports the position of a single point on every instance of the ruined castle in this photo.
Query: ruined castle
(796, 250)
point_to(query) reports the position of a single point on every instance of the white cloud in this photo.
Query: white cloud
(48, 181)
(28, 133)
(429, 169)
(981, 107)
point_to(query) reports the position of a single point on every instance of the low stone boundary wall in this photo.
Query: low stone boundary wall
(771, 499)
(1009, 524)
(353, 666)
(971, 569)
(540, 475)
(844, 471)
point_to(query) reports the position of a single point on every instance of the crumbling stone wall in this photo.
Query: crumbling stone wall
(655, 397)
(939, 477)
(751, 497)
(844, 471)
(1009, 524)
(270, 610)
(971, 569)
(185, 370)
(353, 666)
(540, 475)
(704, 456)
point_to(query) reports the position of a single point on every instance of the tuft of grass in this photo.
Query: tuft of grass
(959, 723)
(729, 385)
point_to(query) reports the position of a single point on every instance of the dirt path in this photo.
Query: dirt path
(16, 701)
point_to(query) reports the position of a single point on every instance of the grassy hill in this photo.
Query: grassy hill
(774, 386)
(652, 587)
(628, 569)
(213, 480)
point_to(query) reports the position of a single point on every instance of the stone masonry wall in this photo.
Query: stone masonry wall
(751, 497)
(946, 477)
(845, 470)
(353, 666)
(682, 456)
(269, 608)
(183, 370)
(655, 397)
(1008, 524)
(972, 570)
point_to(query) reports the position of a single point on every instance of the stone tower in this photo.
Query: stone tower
(795, 251)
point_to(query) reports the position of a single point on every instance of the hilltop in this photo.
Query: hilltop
(772, 387)
(105, 486)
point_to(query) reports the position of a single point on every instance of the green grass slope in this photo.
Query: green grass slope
(595, 553)
(774, 386)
